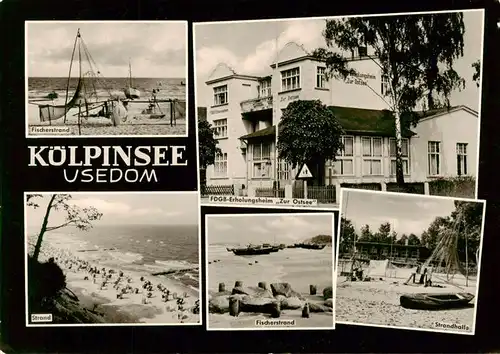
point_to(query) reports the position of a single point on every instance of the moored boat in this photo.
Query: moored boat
(252, 250)
(311, 246)
(435, 301)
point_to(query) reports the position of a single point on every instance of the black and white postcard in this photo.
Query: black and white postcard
(300, 108)
(409, 261)
(90, 78)
(270, 271)
(112, 258)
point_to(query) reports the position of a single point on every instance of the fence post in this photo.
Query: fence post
(426, 188)
(251, 191)
(289, 191)
(338, 188)
(237, 189)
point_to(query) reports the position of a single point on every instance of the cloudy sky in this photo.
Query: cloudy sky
(406, 213)
(267, 228)
(156, 50)
(250, 47)
(126, 208)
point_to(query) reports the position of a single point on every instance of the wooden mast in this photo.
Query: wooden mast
(130, 73)
(69, 75)
(80, 76)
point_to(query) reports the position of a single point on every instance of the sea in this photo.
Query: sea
(140, 248)
(297, 266)
(40, 87)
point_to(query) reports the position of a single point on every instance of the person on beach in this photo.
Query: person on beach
(423, 277)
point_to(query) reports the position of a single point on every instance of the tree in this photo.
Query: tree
(366, 234)
(207, 144)
(476, 77)
(466, 220)
(412, 54)
(402, 240)
(432, 235)
(348, 235)
(81, 218)
(413, 240)
(309, 134)
(383, 234)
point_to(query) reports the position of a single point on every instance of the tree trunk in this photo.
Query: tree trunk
(399, 161)
(43, 228)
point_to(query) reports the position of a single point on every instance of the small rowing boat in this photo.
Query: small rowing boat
(435, 301)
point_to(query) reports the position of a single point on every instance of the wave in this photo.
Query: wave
(127, 257)
(173, 265)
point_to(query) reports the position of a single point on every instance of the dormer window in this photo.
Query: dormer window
(220, 95)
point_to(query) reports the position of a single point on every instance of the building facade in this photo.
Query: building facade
(247, 109)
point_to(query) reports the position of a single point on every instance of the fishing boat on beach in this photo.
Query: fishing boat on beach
(251, 250)
(131, 92)
(435, 301)
(310, 246)
(273, 248)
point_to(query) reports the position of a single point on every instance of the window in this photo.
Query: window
(220, 126)
(284, 170)
(345, 160)
(220, 95)
(434, 152)
(290, 79)
(220, 165)
(461, 159)
(372, 156)
(321, 77)
(405, 155)
(265, 88)
(384, 85)
(261, 160)
(384, 252)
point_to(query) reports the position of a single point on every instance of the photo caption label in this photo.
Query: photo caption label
(459, 327)
(50, 130)
(41, 317)
(275, 323)
(230, 199)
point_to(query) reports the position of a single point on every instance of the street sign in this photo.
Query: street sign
(304, 173)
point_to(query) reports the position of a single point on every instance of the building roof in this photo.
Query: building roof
(446, 110)
(270, 131)
(369, 243)
(368, 121)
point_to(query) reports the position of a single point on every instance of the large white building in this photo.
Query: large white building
(246, 110)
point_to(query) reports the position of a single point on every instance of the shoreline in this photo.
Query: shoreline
(121, 294)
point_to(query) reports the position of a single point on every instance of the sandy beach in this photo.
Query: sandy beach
(298, 267)
(377, 303)
(123, 295)
(136, 124)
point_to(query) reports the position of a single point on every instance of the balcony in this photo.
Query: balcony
(257, 104)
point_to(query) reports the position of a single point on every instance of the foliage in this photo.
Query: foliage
(415, 53)
(321, 239)
(78, 217)
(207, 144)
(45, 281)
(476, 77)
(348, 235)
(309, 133)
